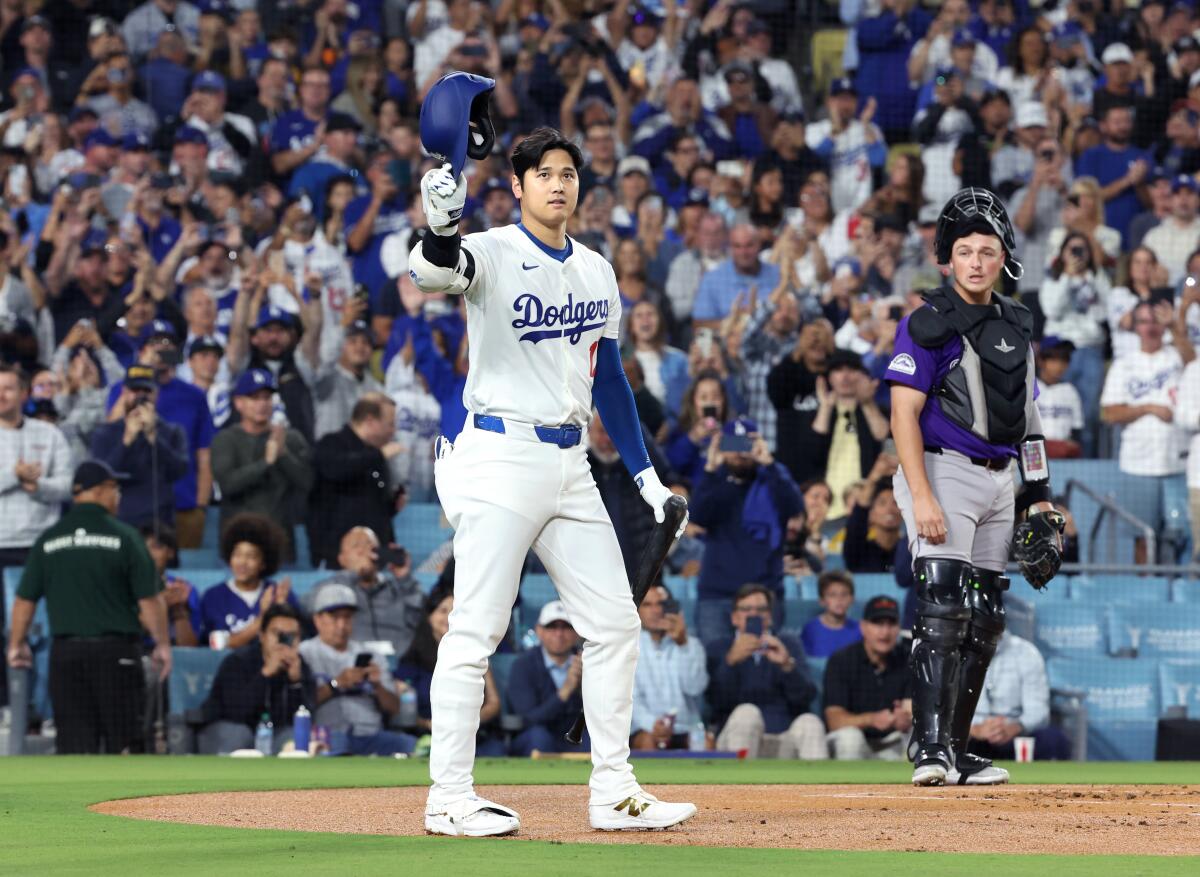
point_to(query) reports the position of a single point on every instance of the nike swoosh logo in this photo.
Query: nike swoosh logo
(528, 267)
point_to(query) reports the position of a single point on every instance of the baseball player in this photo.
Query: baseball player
(542, 321)
(963, 388)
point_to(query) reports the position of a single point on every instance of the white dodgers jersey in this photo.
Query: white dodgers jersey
(534, 325)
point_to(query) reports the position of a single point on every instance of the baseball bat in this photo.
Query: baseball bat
(651, 561)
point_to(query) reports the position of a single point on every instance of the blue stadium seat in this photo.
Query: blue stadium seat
(1056, 591)
(427, 580)
(199, 558)
(872, 584)
(39, 630)
(1067, 628)
(1138, 495)
(536, 591)
(1156, 631)
(303, 550)
(420, 529)
(212, 529)
(305, 580)
(1179, 685)
(191, 679)
(1122, 699)
(1102, 589)
(797, 614)
(816, 672)
(1185, 591)
(681, 588)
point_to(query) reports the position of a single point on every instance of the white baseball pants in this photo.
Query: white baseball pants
(503, 494)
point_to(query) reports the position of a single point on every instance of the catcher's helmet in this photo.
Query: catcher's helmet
(454, 119)
(973, 210)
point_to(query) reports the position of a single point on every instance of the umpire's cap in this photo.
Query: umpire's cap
(455, 123)
(93, 473)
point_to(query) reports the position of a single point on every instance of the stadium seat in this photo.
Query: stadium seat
(797, 614)
(191, 679)
(816, 672)
(1066, 628)
(305, 580)
(1185, 591)
(1115, 541)
(427, 580)
(1019, 614)
(421, 529)
(681, 588)
(1059, 589)
(537, 590)
(806, 587)
(1179, 686)
(1122, 700)
(1102, 589)
(872, 584)
(198, 558)
(212, 530)
(1155, 631)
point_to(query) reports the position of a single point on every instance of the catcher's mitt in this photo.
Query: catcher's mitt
(1037, 547)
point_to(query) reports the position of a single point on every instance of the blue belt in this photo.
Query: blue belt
(563, 436)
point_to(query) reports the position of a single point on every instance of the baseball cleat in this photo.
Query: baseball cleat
(974, 770)
(472, 817)
(931, 767)
(640, 812)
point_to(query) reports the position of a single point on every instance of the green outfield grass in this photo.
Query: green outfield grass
(45, 828)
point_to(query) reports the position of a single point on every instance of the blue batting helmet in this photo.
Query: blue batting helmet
(454, 119)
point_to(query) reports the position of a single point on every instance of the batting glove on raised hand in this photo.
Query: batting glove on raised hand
(1037, 547)
(443, 198)
(656, 494)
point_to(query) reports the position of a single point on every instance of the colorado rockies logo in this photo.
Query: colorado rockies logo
(572, 318)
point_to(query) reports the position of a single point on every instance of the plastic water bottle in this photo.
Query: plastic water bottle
(408, 707)
(301, 728)
(530, 640)
(697, 738)
(264, 735)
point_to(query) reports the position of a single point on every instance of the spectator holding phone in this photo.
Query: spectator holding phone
(266, 675)
(705, 408)
(760, 690)
(743, 500)
(670, 678)
(1147, 282)
(388, 595)
(355, 691)
(824, 634)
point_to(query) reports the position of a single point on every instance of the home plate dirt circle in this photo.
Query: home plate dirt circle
(1148, 820)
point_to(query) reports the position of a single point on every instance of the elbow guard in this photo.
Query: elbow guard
(446, 267)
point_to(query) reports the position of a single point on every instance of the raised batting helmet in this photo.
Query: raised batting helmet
(972, 210)
(455, 123)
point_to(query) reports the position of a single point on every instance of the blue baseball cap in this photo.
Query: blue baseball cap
(275, 314)
(1055, 343)
(190, 134)
(99, 137)
(740, 426)
(157, 329)
(847, 265)
(963, 37)
(93, 242)
(205, 344)
(215, 7)
(209, 80)
(135, 141)
(842, 85)
(536, 20)
(78, 113)
(1184, 181)
(1066, 33)
(253, 381)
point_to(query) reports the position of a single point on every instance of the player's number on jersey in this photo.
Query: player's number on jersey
(592, 357)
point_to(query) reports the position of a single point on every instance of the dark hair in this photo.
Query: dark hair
(279, 610)
(1014, 50)
(1059, 263)
(834, 577)
(11, 368)
(370, 405)
(528, 153)
(424, 648)
(261, 532)
(335, 180)
(882, 485)
(164, 535)
(688, 415)
(751, 588)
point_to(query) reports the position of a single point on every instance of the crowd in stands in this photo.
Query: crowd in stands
(207, 215)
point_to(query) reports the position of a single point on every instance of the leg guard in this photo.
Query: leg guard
(943, 618)
(984, 596)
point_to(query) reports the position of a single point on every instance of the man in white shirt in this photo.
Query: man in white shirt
(1176, 237)
(1141, 392)
(670, 679)
(1187, 417)
(852, 146)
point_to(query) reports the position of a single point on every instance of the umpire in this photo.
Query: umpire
(962, 385)
(98, 579)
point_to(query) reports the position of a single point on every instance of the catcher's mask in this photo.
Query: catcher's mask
(455, 124)
(975, 210)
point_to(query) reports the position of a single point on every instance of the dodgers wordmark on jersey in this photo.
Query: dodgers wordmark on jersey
(535, 317)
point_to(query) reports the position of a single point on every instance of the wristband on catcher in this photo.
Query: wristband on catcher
(1035, 474)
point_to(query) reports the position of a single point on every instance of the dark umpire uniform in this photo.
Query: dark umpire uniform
(970, 355)
(95, 574)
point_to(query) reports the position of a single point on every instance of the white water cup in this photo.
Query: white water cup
(1023, 748)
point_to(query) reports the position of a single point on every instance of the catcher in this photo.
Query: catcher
(962, 387)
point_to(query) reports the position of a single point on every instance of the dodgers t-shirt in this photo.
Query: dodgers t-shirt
(1107, 166)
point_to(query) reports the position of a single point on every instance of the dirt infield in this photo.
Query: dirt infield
(1163, 820)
